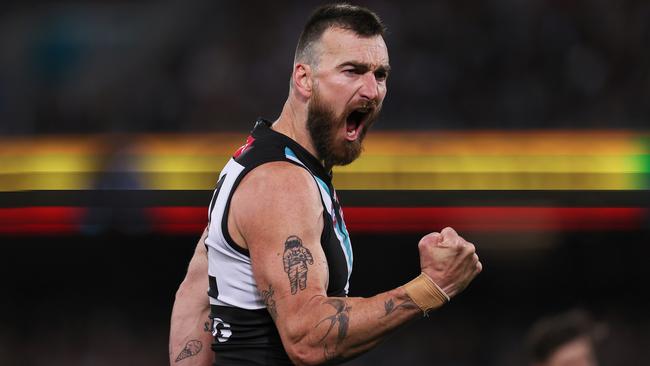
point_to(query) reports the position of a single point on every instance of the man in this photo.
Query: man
(566, 339)
(278, 252)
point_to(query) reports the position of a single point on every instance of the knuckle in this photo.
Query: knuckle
(431, 237)
(421, 245)
(434, 236)
(448, 231)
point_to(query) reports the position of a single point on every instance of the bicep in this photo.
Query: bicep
(290, 270)
(292, 264)
(283, 233)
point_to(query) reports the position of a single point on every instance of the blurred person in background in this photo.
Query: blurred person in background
(276, 256)
(566, 339)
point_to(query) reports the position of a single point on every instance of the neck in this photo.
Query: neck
(293, 123)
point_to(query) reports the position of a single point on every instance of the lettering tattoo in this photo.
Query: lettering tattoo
(390, 307)
(295, 260)
(269, 301)
(191, 348)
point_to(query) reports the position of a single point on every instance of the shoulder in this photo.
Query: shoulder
(277, 191)
(278, 180)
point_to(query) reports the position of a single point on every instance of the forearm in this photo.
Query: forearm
(190, 335)
(335, 329)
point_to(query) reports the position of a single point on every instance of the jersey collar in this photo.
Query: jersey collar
(263, 127)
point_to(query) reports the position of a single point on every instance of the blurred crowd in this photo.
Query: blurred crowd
(206, 65)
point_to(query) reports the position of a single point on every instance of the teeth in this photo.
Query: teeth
(351, 133)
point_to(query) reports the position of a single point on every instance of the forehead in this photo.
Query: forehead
(339, 46)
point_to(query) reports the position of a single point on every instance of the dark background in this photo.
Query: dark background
(107, 300)
(82, 67)
(199, 65)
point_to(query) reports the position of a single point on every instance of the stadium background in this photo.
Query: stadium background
(524, 124)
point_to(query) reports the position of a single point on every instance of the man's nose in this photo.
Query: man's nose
(370, 88)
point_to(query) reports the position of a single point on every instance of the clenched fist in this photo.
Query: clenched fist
(450, 261)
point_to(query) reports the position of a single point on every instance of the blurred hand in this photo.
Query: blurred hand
(450, 261)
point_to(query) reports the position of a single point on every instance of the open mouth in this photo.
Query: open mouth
(355, 121)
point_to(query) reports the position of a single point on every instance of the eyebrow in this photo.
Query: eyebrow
(364, 66)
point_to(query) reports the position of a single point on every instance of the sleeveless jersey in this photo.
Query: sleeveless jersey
(242, 327)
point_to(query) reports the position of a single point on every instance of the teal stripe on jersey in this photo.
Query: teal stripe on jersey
(325, 187)
(348, 244)
(289, 153)
(340, 228)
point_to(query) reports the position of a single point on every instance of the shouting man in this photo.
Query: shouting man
(275, 213)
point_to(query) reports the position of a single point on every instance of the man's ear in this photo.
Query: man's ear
(302, 79)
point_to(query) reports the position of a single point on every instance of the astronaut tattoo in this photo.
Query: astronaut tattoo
(295, 259)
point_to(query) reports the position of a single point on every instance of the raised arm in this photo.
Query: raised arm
(282, 233)
(190, 336)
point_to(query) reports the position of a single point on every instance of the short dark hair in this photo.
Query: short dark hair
(357, 19)
(550, 333)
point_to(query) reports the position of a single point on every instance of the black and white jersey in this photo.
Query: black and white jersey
(244, 331)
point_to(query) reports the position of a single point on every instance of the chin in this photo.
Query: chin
(348, 152)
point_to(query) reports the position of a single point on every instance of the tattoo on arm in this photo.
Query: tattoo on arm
(342, 318)
(390, 307)
(295, 260)
(269, 301)
(191, 348)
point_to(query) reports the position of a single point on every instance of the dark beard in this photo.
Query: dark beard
(323, 125)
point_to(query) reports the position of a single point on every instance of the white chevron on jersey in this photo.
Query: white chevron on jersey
(232, 269)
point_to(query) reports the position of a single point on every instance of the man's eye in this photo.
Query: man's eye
(381, 76)
(350, 71)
